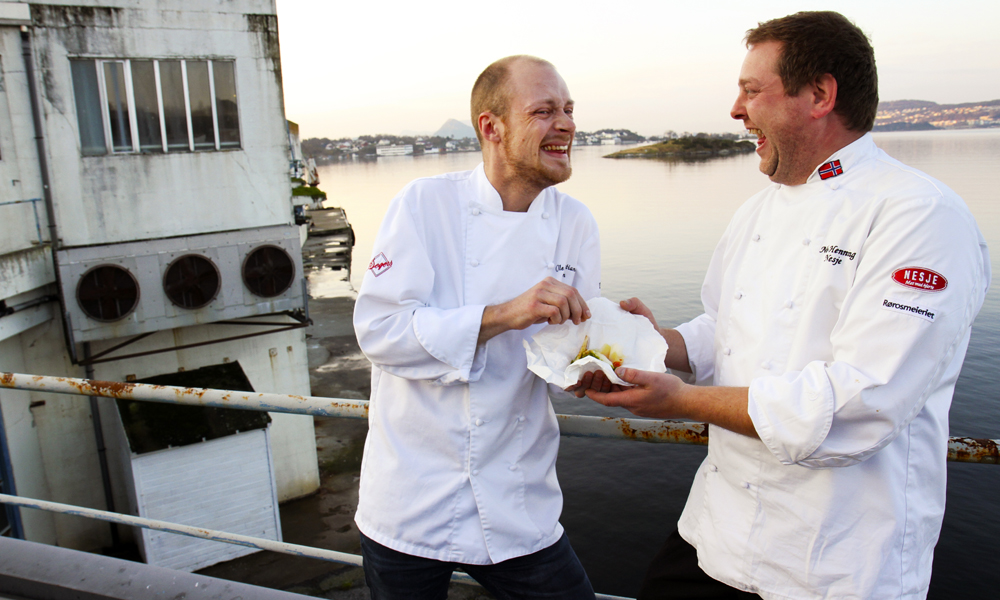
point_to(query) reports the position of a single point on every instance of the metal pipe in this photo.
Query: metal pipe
(960, 449)
(9, 310)
(102, 450)
(43, 168)
(217, 536)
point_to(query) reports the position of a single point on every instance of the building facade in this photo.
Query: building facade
(146, 228)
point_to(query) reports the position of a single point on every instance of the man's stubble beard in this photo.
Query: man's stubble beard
(534, 174)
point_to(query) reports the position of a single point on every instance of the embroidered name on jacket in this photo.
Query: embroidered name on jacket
(380, 264)
(830, 169)
(836, 255)
(916, 311)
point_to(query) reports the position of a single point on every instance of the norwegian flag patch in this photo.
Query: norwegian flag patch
(380, 264)
(830, 169)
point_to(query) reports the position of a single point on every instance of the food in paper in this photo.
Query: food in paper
(561, 354)
(609, 353)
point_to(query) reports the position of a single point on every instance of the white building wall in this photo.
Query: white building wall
(22, 435)
(19, 173)
(123, 197)
(116, 198)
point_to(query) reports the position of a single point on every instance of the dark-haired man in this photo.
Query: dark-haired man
(838, 306)
(459, 464)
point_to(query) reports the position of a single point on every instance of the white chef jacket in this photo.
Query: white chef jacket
(815, 299)
(459, 464)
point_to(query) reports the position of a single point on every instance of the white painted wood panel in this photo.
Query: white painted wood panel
(225, 484)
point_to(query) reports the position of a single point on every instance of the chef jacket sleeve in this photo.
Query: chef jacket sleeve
(398, 327)
(887, 355)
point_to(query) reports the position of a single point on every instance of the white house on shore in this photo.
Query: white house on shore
(146, 225)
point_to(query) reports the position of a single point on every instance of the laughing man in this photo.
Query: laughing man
(459, 464)
(838, 307)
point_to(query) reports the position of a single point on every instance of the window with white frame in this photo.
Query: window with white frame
(134, 105)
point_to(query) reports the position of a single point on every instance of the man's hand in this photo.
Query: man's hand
(548, 301)
(596, 381)
(654, 394)
(677, 356)
(636, 307)
(665, 396)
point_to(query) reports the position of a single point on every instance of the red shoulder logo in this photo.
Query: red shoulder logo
(380, 264)
(920, 279)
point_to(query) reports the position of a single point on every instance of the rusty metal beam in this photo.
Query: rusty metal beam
(960, 449)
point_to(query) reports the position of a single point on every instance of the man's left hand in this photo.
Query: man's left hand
(653, 395)
(596, 381)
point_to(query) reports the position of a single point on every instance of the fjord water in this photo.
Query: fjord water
(659, 222)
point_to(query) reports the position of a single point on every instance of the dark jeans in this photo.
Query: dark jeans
(552, 573)
(674, 574)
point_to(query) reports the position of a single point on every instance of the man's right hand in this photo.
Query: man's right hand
(677, 356)
(636, 307)
(548, 301)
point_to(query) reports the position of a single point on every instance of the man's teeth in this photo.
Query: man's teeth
(555, 148)
(755, 131)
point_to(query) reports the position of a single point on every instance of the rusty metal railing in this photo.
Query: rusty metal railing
(960, 449)
(984, 451)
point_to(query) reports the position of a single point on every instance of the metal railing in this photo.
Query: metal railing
(983, 451)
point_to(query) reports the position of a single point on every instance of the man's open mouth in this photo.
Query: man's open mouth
(758, 133)
(557, 149)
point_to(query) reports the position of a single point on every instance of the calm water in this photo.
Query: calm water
(659, 223)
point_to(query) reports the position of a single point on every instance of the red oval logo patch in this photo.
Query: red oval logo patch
(920, 279)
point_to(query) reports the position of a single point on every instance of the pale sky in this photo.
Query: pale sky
(353, 68)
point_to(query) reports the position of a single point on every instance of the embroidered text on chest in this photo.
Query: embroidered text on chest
(836, 255)
(565, 268)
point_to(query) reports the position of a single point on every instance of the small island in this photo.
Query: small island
(688, 147)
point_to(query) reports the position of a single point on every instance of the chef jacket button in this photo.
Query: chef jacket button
(521, 419)
(479, 422)
(789, 304)
(727, 351)
(765, 365)
(475, 472)
(475, 212)
(713, 468)
(512, 467)
(834, 185)
(551, 265)
(746, 485)
(738, 295)
(474, 262)
(756, 237)
(805, 242)
(545, 215)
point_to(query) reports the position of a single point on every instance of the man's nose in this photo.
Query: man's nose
(565, 123)
(738, 111)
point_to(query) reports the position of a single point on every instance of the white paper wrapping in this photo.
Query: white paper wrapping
(551, 349)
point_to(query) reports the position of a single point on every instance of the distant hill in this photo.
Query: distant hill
(455, 130)
(909, 115)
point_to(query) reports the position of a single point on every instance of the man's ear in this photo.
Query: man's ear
(824, 95)
(491, 127)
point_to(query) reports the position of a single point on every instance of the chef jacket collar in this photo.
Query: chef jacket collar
(849, 155)
(489, 198)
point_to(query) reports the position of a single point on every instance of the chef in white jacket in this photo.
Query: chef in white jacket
(459, 463)
(838, 307)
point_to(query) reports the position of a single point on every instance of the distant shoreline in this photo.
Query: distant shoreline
(688, 147)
